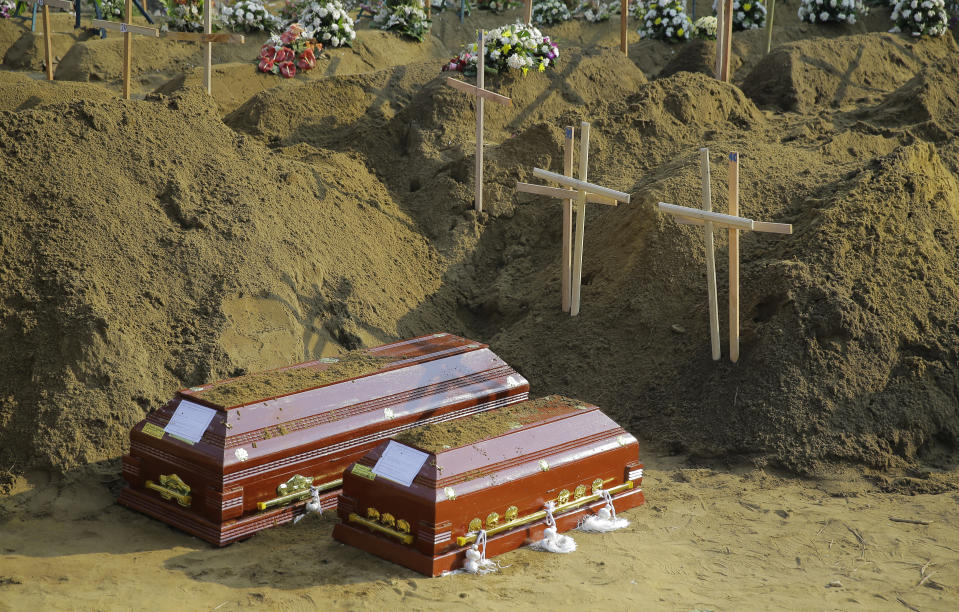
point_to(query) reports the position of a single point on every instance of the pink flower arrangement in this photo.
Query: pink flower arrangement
(284, 53)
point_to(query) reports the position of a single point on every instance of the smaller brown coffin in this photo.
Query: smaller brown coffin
(494, 471)
(252, 465)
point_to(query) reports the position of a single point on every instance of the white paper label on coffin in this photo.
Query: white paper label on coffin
(190, 421)
(400, 463)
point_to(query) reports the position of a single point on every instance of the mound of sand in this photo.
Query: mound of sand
(146, 246)
(928, 103)
(20, 92)
(23, 50)
(841, 73)
(331, 212)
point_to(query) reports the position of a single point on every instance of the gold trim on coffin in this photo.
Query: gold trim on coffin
(405, 538)
(296, 489)
(171, 487)
(535, 516)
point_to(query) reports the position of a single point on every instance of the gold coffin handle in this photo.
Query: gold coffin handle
(535, 516)
(171, 487)
(405, 538)
(296, 495)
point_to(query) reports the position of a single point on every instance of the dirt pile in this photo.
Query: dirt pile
(236, 78)
(145, 246)
(841, 73)
(20, 92)
(329, 213)
(928, 104)
(23, 50)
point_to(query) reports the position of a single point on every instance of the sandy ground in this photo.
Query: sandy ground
(737, 539)
(732, 539)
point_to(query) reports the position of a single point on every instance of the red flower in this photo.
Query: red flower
(284, 54)
(307, 60)
(288, 70)
(268, 52)
(266, 65)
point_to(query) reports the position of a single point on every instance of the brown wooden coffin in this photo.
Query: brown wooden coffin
(272, 435)
(499, 471)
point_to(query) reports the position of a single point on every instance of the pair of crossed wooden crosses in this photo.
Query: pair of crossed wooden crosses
(207, 37)
(713, 221)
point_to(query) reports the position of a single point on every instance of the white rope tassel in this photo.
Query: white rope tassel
(476, 561)
(313, 506)
(605, 520)
(552, 540)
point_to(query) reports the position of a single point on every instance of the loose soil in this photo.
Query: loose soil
(437, 437)
(265, 385)
(174, 239)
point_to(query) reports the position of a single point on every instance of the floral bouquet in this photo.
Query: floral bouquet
(516, 47)
(840, 11)
(705, 28)
(498, 6)
(284, 53)
(666, 20)
(548, 12)
(595, 11)
(248, 16)
(408, 17)
(183, 15)
(748, 14)
(928, 17)
(112, 10)
(329, 22)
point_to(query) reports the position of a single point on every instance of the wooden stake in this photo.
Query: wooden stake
(695, 216)
(47, 29)
(580, 219)
(727, 39)
(563, 193)
(528, 14)
(769, 25)
(207, 38)
(208, 52)
(481, 96)
(720, 30)
(127, 51)
(623, 16)
(47, 42)
(734, 259)
(128, 31)
(480, 84)
(566, 266)
(710, 257)
(580, 185)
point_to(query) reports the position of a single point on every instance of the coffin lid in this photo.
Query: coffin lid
(485, 443)
(261, 387)
(414, 373)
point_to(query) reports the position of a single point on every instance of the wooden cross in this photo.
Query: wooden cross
(575, 195)
(128, 30)
(207, 37)
(480, 94)
(733, 222)
(528, 12)
(724, 38)
(623, 17)
(47, 31)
